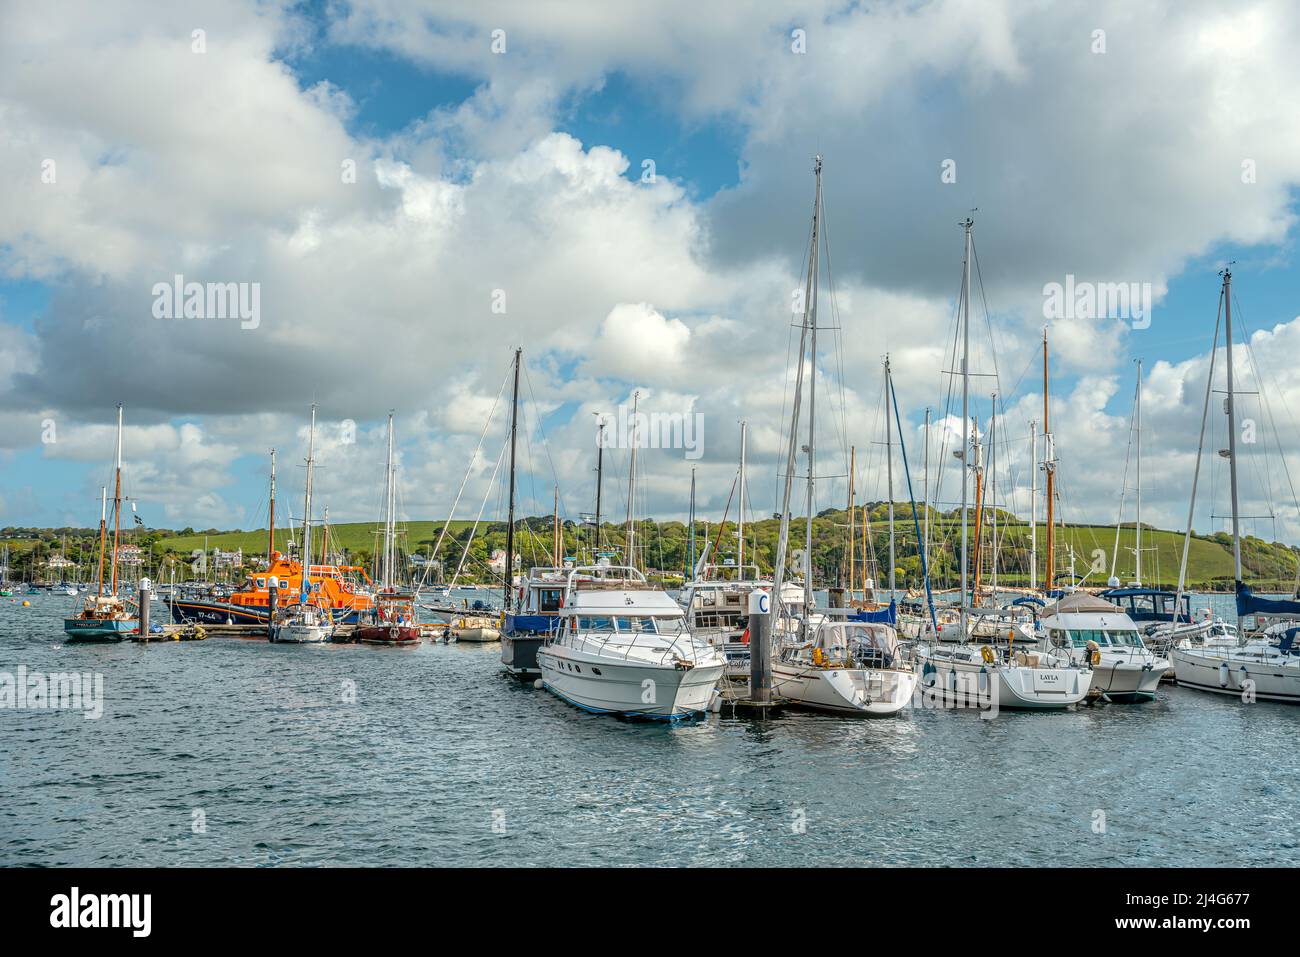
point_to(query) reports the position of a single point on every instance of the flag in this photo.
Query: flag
(138, 520)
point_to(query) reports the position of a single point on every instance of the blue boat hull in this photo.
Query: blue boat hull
(90, 629)
(221, 613)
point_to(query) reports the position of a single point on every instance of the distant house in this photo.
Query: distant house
(227, 560)
(58, 563)
(130, 556)
(497, 563)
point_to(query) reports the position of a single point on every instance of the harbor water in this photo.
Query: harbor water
(234, 751)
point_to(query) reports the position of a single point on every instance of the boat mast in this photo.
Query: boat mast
(305, 588)
(853, 508)
(691, 533)
(1137, 544)
(1033, 505)
(103, 534)
(388, 511)
(1232, 438)
(993, 495)
(117, 502)
(740, 520)
(1049, 466)
(965, 421)
(783, 537)
(889, 470)
(555, 530)
(629, 534)
(270, 547)
(510, 516)
(814, 276)
(925, 492)
(600, 472)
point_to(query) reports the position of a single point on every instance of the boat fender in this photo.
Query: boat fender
(1094, 652)
(817, 657)
(987, 654)
(744, 639)
(1223, 674)
(984, 681)
(538, 684)
(929, 674)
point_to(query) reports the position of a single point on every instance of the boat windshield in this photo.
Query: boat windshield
(620, 623)
(1110, 638)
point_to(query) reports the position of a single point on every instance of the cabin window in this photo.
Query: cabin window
(588, 623)
(595, 671)
(548, 599)
(637, 626)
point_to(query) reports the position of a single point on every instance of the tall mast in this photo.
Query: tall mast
(1033, 505)
(993, 495)
(814, 277)
(305, 589)
(117, 503)
(925, 494)
(740, 520)
(629, 533)
(965, 419)
(600, 471)
(853, 508)
(510, 516)
(270, 546)
(783, 538)
(1049, 466)
(1232, 438)
(389, 494)
(889, 470)
(1137, 545)
(103, 534)
(691, 532)
(555, 530)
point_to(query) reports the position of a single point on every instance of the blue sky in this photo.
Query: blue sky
(462, 151)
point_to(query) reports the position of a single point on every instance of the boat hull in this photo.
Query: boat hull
(224, 613)
(519, 653)
(863, 692)
(99, 630)
(1273, 681)
(1014, 687)
(621, 689)
(393, 635)
(1127, 682)
(301, 634)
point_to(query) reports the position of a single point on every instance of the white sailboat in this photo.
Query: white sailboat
(624, 649)
(306, 622)
(1267, 665)
(994, 674)
(848, 667)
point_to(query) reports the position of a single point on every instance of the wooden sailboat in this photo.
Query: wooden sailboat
(105, 616)
(393, 620)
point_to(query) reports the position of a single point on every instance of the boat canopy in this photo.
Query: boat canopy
(885, 616)
(1250, 604)
(1081, 603)
(618, 603)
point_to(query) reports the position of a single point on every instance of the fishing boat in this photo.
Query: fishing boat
(105, 616)
(309, 621)
(1265, 665)
(1091, 631)
(624, 649)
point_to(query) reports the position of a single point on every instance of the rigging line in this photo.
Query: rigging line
(474, 528)
(541, 431)
(789, 350)
(988, 319)
(1267, 403)
(461, 491)
(1123, 488)
(837, 328)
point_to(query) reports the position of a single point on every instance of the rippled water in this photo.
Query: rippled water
(445, 760)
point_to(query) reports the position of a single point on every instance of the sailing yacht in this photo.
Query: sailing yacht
(307, 622)
(623, 648)
(105, 616)
(993, 671)
(1255, 666)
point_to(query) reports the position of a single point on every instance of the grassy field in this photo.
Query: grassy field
(352, 536)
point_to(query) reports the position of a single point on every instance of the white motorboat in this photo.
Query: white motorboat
(624, 649)
(1088, 630)
(846, 667)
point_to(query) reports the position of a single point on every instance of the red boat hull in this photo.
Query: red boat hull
(389, 634)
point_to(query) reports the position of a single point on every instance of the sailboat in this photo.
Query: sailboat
(846, 667)
(309, 621)
(105, 616)
(393, 621)
(963, 671)
(5, 590)
(1255, 667)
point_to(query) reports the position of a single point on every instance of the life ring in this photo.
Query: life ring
(987, 654)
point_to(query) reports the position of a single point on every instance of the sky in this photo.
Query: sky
(413, 190)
